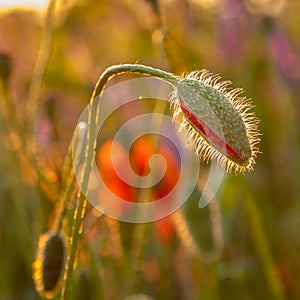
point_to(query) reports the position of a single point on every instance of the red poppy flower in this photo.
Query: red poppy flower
(108, 162)
(139, 156)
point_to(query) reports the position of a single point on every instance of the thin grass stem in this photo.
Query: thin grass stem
(38, 75)
(262, 247)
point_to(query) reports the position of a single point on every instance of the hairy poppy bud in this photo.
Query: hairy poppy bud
(217, 120)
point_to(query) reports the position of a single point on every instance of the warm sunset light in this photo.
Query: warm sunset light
(37, 4)
(149, 149)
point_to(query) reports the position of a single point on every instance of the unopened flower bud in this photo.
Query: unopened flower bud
(217, 120)
(48, 265)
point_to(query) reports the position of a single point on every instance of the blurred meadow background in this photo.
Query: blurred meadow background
(246, 243)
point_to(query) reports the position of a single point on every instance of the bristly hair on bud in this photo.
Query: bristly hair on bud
(217, 120)
(48, 264)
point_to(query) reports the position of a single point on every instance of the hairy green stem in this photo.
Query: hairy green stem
(132, 68)
(90, 152)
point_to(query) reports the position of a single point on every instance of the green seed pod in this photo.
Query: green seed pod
(48, 265)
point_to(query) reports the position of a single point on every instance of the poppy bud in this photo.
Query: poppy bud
(48, 265)
(217, 120)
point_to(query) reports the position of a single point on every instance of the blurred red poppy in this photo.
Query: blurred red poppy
(108, 162)
(140, 154)
(143, 148)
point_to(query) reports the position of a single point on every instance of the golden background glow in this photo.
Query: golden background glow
(38, 4)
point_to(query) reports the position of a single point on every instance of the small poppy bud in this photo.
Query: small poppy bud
(48, 265)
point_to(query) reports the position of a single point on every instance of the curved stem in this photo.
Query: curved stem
(132, 68)
(90, 152)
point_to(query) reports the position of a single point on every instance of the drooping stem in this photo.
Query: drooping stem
(132, 68)
(90, 152)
